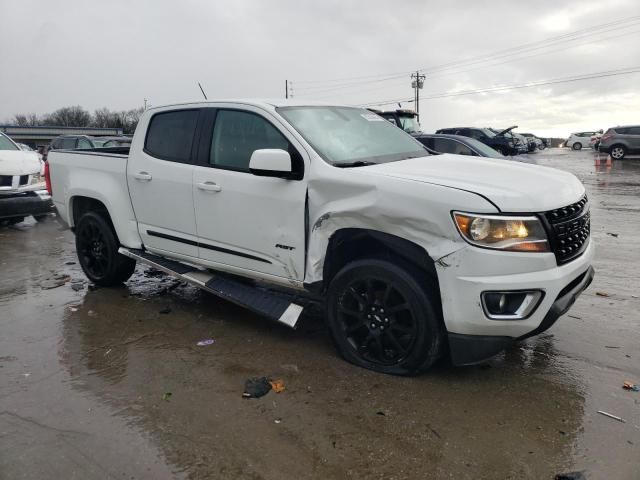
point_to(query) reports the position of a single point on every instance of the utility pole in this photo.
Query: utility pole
(286, 89)
(417, 82)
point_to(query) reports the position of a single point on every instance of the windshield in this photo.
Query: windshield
(347, 135)
(410, 124)
(6, 144)
(99, 143)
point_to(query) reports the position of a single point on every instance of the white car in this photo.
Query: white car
(579, 140)
(22, 185)
(409, 252)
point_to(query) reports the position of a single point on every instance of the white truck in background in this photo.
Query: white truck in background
(414, 256)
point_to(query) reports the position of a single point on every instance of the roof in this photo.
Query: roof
(261, 103)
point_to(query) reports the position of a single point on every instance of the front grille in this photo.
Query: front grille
(569, 230)
(24, 179)
(6, 180)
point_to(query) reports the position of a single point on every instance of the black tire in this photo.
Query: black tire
(577, 146)
(383, 316)
(41, 218)
(505, 151)
(97, 249)
(618, 152)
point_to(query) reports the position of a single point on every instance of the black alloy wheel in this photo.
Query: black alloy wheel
(381, 317)
(97, 249)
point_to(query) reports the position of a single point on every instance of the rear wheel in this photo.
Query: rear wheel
(382, 316)
(97, 248)
(618, 152)
(577, 146)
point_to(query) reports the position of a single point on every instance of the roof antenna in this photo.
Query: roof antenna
(202, 90)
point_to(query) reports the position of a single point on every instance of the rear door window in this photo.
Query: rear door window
(84, 143)
(170, 135)
(68, 143)
(634, 131)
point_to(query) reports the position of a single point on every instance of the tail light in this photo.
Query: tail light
(47, 177)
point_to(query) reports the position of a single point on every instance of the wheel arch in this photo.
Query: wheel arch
(348, 244)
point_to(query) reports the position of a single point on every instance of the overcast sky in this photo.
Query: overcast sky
(116, 53)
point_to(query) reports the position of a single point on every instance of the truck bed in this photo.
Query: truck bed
(100, 174)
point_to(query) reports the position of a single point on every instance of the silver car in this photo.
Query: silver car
(619, 141)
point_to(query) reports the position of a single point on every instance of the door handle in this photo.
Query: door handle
(209, 187)
(142, 176)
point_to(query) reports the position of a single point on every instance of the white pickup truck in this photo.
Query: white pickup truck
(414, 256)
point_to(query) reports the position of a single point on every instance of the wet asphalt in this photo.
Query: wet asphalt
(110, 383)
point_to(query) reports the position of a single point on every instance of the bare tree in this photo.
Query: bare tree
(74, 116)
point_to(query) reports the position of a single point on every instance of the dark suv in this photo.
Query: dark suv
(618, 141)
(500, 142)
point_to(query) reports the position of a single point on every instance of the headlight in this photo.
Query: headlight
(36, 178)
(515, 234)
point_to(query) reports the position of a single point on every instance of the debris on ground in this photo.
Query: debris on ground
(205, 342)
(381, 413)
(610, 346)
(631, 386)
(615, 235)
(602, 294)
(277, 420)
(73, 308)
(166, 310)
(277, 385)
(570, 476)
(606, 414)
(256, 387)
(574, 316)
(166, 396)
(76, 287)
(69, 263)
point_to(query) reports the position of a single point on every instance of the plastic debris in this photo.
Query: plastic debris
(256, 387)
(602, 294)
(570, 476)
(631, 386)
(277, 385)
(76, 287)
(166, 396)
(606, 414)
(205, 342)
(277, 420)
(615, 235)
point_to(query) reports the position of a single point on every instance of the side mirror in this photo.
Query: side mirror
(271, 162)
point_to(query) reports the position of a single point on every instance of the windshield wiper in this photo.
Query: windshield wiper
(357, 163)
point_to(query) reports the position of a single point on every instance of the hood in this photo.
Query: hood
(19, 162)
(511, 186)
(506, 130)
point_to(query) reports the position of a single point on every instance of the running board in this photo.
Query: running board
(270, 304)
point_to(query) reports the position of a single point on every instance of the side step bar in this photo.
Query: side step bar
(272, 305)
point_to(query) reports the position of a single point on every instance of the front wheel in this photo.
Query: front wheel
(383, 317)
(618, 152)
(577, 146)
(97, 248)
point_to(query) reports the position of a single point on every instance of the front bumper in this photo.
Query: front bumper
(474, 337)
(21, 205)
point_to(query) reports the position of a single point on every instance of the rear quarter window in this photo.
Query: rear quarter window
(170, 135)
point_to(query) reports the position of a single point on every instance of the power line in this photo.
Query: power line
(358, 85)
(607, 73)
(552, 41)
